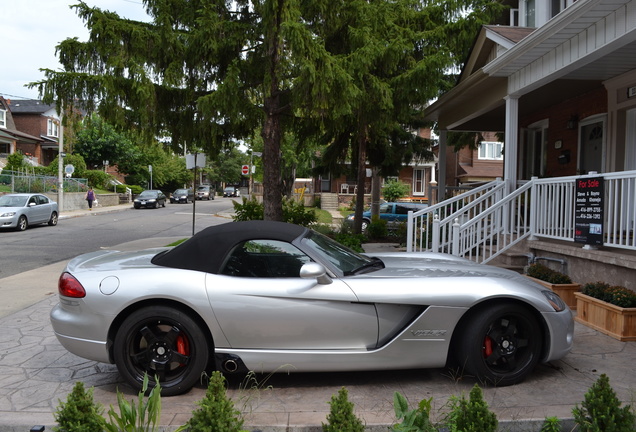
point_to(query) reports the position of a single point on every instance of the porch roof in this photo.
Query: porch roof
(587, 43)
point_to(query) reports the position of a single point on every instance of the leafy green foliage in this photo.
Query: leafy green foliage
(415, 420)
(395, 190)
(142, 417)
(616, 295)
(377, 229)
(351, 240)
(472, 414)
(216, 411)
(545, 273)
(551, 424)
(601, 410)
(98, 141)
(76, 160)
(293, 211)
(98, 179)
(16, 162)
(341, 417)
(79, 413)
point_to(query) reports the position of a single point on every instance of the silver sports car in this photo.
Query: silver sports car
(259, 295)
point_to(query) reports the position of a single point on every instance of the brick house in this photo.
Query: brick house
(13, 138)
(37, 119)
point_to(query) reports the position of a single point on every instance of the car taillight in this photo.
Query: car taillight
(68, 286)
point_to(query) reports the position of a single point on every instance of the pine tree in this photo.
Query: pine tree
(341, 417)
(601, 410)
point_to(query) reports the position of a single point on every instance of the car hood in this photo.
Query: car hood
(443, 280)
(10, 209)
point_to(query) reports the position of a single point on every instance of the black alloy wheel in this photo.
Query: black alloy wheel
(500, 344)
(162, 342)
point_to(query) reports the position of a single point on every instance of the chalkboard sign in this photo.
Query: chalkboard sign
(588, 210)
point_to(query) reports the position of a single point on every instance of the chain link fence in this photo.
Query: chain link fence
(24, 182)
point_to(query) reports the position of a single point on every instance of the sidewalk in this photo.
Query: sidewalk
(36, 373)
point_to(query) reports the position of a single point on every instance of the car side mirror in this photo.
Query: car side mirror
(32, 204)
(313, 270)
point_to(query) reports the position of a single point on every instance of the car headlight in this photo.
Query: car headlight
(350, 217)
(555, 301)
(7, 214)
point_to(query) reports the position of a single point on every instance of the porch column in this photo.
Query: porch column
(441, 166)
(511, 142)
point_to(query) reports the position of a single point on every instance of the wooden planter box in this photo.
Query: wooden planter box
(614, 321)
(565, 291)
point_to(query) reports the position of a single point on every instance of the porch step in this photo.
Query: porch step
(329, 201)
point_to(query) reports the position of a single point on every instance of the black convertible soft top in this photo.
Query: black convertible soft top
(206, 251)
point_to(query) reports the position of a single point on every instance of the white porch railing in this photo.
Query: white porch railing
(484, 223)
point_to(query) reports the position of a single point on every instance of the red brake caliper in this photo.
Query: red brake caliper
(487, 346)
(182, 346)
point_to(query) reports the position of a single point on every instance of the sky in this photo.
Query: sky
(31, 29)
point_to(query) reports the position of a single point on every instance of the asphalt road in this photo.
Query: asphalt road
(42, 245)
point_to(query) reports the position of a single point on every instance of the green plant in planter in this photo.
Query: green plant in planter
(616, 295)
(415, 420)
(545, 273)
(341, 417)
(472, 415)
(216, 411)
(79, 413)
(601, 410)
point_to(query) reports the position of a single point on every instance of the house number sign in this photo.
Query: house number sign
(588, 211)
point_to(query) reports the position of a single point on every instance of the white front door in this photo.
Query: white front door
(592, 145)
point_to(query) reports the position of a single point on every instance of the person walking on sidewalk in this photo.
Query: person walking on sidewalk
(90, 197)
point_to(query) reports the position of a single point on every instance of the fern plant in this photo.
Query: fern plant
(341, 417)
(601, 410)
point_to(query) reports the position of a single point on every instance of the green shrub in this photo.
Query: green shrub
(601, 411)
(216, 411)
(551, 424)
(98, 179)
(249, 209)
(79, 413)
(544, 273)
(395, 190)
(350, 240)
(471, 415)
(341, 417)
(616, 295)
(415, 420)
(296, 213)
(377, 229)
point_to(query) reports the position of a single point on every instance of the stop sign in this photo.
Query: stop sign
(245, 169)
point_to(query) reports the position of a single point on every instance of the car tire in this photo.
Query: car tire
(23, 223)
(53, 220)
(500, 345)
(164, 342)
(156, 205)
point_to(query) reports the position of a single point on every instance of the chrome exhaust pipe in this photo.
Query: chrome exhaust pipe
(230, 366)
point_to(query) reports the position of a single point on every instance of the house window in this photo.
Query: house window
(419, 181)
(490, 150)
(3, 118)
(53, 128)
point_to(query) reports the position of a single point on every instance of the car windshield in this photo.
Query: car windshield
(346, 260)
(181, 191)
(229, 189)
(12, 201)
(203, 188)
(148, 194)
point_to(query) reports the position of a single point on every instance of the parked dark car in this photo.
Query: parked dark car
(150, 199)
(392, 212)
(204, 193)
(20, 210)
(231, 191)
(182, 196)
